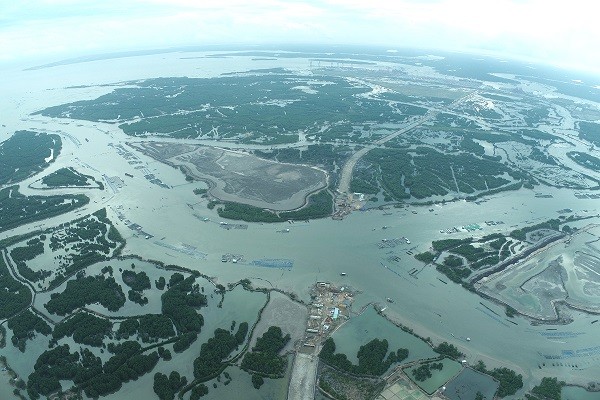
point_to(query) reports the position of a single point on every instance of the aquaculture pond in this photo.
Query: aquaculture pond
(578, 393)
(468, 382)
(439, 377)
(239, 305)
(360, 330)
(241, 382)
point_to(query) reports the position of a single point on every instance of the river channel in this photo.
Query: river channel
(319, 250)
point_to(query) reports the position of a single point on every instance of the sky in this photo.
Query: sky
(564, 33)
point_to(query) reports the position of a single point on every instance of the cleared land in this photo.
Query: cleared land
(241, 177)
(304, 377)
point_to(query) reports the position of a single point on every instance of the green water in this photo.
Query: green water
(578, 393)
(369, 325)
(467, 383)
(241, 386)
(438, 378)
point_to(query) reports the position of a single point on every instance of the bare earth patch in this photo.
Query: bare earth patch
(241, 177)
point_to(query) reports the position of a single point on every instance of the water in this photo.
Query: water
(368, 326)
(468, 382)
(438, 378)
(578, 393)
(320, 249)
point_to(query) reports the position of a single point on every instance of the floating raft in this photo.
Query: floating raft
(273, 263)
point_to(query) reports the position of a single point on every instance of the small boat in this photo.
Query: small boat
(342, 274)
(389, 300)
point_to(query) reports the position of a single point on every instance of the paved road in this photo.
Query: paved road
(304, 377)
(346, 174)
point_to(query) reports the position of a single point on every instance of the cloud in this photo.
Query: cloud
(556, 32)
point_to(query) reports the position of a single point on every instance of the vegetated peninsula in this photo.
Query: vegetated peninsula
(427, 153)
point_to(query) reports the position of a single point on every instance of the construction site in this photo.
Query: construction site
(329, 308)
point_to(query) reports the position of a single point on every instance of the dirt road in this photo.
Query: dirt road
(346, 174)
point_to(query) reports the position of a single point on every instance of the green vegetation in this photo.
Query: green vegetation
(165, 386)
(271, 341)
(128, 363)
(448, 350)
(510, 312)
(521, 234)
(24, 326)
(510, 382)
(165, 354)
(456, 275)
(51, 367)
(240, 334)
(85, 329)
(20, 255)
(2, 336)
(180, 302)
(325, 156)
(87, 290)
(358, 185)
(446, 244)
(590, 131)
(68, 177)
(548, 389)
(425, 172)
(485, 252)
(257, 381)
(538, 155)
(14, 295)
(199, 191)
(198, 391)
(343, 386)
(155, 326)
(585, 160)
(537, 134)
(24, 154)
(452, 261)
(212, 353)
(371, 357)
(245, 212)
(160, 283)
(88, 240)
(426, 257)
(184, 341)
(264, 358)
(423, 371)
(319, 205)
(17, 209)
(128, 327)
(137, 297)
(238, 108)
(137, 281)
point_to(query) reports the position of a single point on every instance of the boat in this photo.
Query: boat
(389, 300)
(342, 274)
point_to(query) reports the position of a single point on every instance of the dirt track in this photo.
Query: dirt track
(304, 375)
